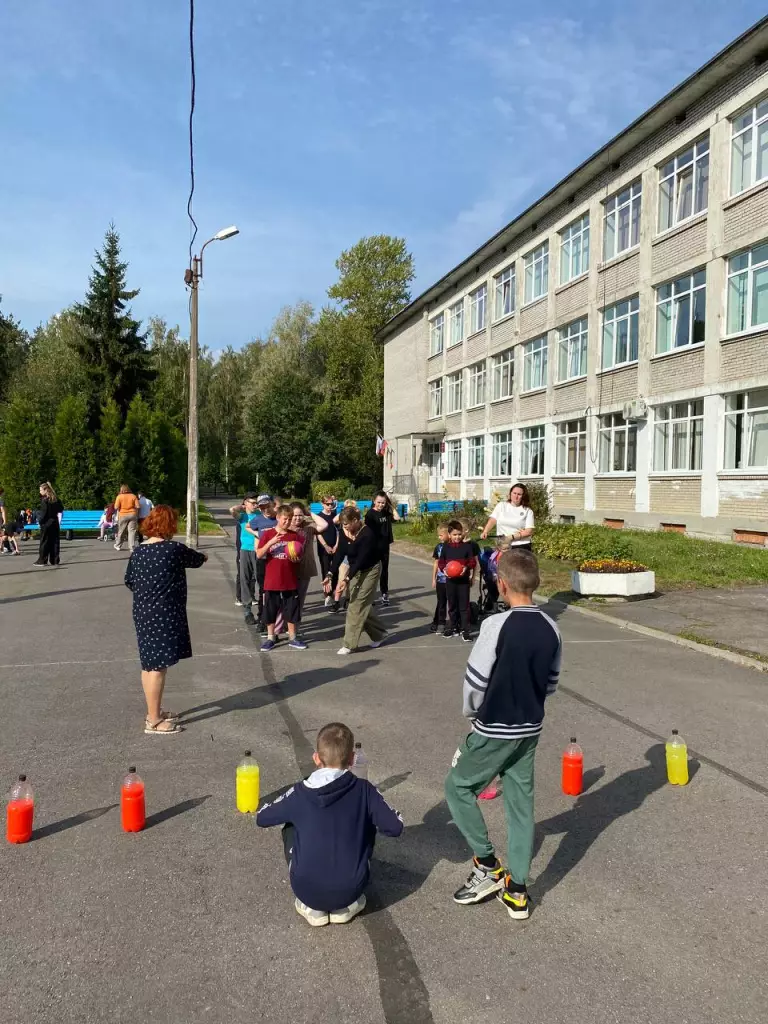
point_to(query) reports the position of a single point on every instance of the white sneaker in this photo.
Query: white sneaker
(238, 604)
(345, 915)
(116, 547)
(317, 918)
(344, 650)
(328, 601)
(378, 643)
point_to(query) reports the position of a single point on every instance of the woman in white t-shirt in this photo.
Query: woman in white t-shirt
(513, 518)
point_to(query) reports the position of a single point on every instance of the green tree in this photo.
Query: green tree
(74, 451)
(169, 355)
(374, 279)
(111, 346)
(14, 342)
(221, 418)
(110, 450)
(25, 453)
(52, 369)
(137, 422)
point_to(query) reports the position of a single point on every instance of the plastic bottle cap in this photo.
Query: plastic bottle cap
(247, 753)
(358, 746)
(132, 769)
(22, 778)
(674, 732)
(573, 739)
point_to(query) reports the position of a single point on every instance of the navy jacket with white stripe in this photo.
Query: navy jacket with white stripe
(514, 666)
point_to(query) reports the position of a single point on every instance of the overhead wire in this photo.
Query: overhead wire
(192, 221)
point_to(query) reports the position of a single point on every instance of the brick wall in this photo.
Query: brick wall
(745, 357)
(503, 334)
(453, 423)
(615, 495)
(681, 245)
(677, 371)
(405, 380)
(454, 357)
(745, 214)
(744, 496)
(476, 345)
(618, 280)
(453, 489)
(502, 413)
(533, 318)
(617, 386)
(475, 420)
(571, 396)
(675, 494)
(474, 489)
(532, 406)
(567, 493)
(572, 299)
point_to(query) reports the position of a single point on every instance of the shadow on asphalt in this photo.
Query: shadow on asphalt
(594, 811)
(175, 810)
(56, 593)
(73, 822)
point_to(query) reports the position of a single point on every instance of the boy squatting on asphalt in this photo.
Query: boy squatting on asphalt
(513, 668)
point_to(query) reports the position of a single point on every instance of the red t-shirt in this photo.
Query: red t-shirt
(281, 573)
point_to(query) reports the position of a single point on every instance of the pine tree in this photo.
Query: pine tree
(110, 450)
(135, 433)
(111, 347)
(74, 450)
(25, 453)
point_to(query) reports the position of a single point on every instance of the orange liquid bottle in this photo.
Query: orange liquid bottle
(132, 811)
(573, 768)
(20, 812)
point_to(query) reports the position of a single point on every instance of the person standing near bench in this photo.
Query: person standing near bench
(127, 508)
(48, 520)
(145, 507)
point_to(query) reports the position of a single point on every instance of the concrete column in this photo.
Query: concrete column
(719, 161)
(591, 465)
(714, 409)
(644, 456)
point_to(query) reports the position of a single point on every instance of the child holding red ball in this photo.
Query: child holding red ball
(282, 548)
(458, 562)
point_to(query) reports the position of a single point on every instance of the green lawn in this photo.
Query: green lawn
(206, 524)
(679, 562)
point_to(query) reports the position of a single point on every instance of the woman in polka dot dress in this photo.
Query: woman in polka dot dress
(156, 575)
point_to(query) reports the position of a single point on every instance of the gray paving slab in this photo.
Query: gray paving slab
(647, 896)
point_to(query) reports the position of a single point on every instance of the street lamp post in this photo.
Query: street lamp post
(192, 277)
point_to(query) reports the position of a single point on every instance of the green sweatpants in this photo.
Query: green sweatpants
(476, 763)
(360, 614)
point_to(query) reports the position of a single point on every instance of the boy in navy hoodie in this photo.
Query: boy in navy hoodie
(329, 823)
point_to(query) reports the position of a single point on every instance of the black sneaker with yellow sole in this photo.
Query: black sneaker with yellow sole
(482, 883)
(517, 902)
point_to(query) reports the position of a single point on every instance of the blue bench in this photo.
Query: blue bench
(75, 519)
(442, 507)
(363, 506)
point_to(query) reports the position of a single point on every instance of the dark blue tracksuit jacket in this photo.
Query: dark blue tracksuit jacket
(335, 829)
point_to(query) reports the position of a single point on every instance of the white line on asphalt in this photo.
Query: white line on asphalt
(115, 661)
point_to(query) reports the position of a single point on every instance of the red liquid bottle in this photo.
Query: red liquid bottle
(573, 768)
(132, 812)
(20, 812)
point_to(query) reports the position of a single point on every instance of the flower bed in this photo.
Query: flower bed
(613, 577)
(611, 565)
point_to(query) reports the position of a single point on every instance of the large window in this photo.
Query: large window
(435, 398)
(456, 314)
(749, 147)
(620, 333)
(622, 221)
(574, 249)
(746, 430)
(572, 447)
(683, 185)
(537, 273)
(679, 432)
(617, 449)
(504, 289)
(453, 459)
(501, 453)
(476, 385)
(681, 312)
(572, 350)
(748, 289)
(454, 382)
(532, 451)
(477, 300)
(476, 456)
(535, 364)
(502, 369)
(437, 334)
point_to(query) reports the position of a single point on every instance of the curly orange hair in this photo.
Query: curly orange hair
(161, 522)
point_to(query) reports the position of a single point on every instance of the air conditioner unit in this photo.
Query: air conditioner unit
(636, 410)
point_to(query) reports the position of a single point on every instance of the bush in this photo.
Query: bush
(541, 503)
(579, 542)
(341, 488)
(427, 523)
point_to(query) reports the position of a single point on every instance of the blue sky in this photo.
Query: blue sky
(316, 123)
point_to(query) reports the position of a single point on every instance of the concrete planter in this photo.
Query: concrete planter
(614, 584)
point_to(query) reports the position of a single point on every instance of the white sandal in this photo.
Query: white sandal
(155, 730)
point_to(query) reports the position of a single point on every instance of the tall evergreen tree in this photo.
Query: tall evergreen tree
(110, 450)
(111, 346)
(74, 450)
(14, 343)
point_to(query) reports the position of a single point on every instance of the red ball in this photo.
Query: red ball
(454, 570)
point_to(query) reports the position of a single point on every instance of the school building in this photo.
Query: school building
(612, 341)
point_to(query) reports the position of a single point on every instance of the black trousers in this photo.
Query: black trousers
(458, 604)
(238, 588)
(384, 581)
(50, 541)
(261, 572)
(442, 604)
(326, 561)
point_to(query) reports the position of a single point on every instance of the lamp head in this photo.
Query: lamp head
(227, 233)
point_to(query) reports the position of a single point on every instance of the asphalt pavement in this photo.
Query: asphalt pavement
(646, 897)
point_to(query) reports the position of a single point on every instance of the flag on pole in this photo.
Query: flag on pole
(381, 445)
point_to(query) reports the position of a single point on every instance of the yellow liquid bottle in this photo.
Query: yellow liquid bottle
(677, 760)
(247, 785)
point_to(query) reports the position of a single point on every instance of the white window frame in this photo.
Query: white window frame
(478, 301)
(437, 335)
(671, 298)
(502, 374)
(615, 434)
(456, 317)
(477, 376)
(613, 318)
(571, 442)
(684, 177)
(743, 291)
(574, 249)
(453, 459)
(454, 383)
(537, 273)
(475, 445)
(504, 285)
(572, 341)
(436, 398)
(743, 133)
(532, 450)
(742, 433)
(501, 452)
(625, 203)
(678, 424)
(535, 364)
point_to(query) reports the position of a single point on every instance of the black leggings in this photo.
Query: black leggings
(326, 561)
(384, 581)
(458, 605)
(442, 604)
(50, 538)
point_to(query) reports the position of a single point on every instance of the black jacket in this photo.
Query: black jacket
(49, 513)
(362, 553)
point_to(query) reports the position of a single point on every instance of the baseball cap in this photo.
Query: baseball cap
(250, 496)
(264, 499)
